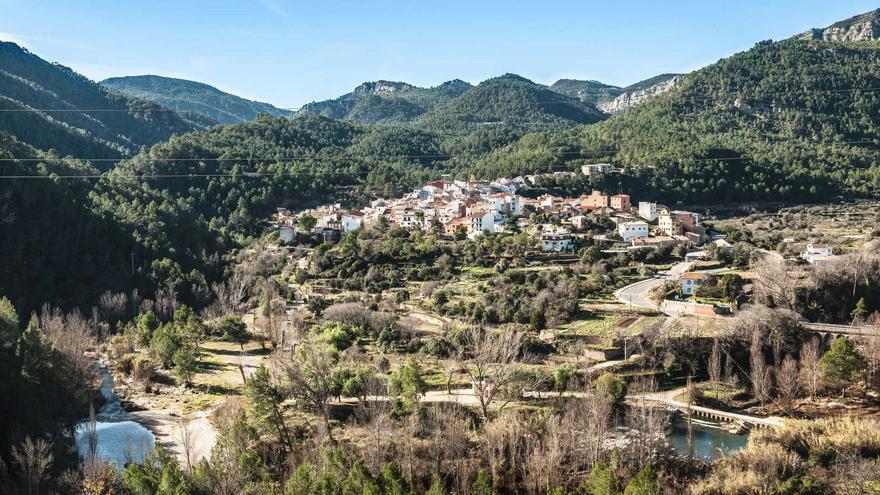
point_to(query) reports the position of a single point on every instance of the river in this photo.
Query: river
(709, 443)
(119, 440)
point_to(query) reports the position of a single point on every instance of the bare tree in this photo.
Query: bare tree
(493, 362)
(374, 415)
(449, 429)
(587, 417)
(853, 474)
(811, 372)
(506, 449)
(857, 266)
(112, 306)
(759, 372)
(187, 442)
(776, 283)
(714, 364)
(166, 301)
(309, 379)
(787, 381)
(34, 459)
(543, 465)
(648, 422)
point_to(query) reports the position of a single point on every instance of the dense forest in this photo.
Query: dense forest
(191, 96)
(50, 106)
(790, 120)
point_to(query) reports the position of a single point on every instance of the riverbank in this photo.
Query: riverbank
(187, 435)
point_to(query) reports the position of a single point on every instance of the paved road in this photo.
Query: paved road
(634, 294)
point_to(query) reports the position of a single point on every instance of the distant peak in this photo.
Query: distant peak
(380, 87)
(863, 27)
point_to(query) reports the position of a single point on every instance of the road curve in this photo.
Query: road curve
(634, 294)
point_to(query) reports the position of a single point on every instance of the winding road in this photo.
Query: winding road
(635, 294)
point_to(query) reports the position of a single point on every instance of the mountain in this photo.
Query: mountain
(636, 93)
(385, 102)
(191, 96)
(864, 27)
(611, 99)
(50, 106)
(510, 100)
(593, 92)
(792, 120)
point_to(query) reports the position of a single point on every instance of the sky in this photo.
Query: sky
(292, 52)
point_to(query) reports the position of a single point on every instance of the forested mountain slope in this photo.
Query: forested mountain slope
(385, 102)
(191, 96)
(56, 247)
(594, 92)
(49, 106)
(787, 120)
(499, 110)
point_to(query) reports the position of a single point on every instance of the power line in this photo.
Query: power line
(735, 92)
(438, 156)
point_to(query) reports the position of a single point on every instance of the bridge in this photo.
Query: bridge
(667, 399)
(848, 330)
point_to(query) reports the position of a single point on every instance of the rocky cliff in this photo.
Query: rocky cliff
(634, 97)
(864, 27)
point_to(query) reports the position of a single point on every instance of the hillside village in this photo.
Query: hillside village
(468, 209)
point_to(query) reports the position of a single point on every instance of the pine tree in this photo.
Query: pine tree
(645, 483)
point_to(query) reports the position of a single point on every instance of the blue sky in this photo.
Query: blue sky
(289, 53)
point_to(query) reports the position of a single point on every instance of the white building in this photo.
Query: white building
(691, 280)
(633, 230)
(648, 210)
(818, 254)
(597, 168)
(555, 239)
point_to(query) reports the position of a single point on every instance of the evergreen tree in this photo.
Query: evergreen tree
(644, 483)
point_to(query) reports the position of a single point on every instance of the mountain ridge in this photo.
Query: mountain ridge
(193, 96)
(50, 106)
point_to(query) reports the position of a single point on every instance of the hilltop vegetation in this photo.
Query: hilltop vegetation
(49, 106)
(790, 120)
(386, 102)
(191, 96)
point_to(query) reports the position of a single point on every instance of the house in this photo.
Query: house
(669, 223)
(594, 200)
(483, 221)
(818, 254)
(691, 280)
(621, 202)
(648, 210)
(689, 221)
(451, 227)
(597, 168)
(633, 230)
(555, 239)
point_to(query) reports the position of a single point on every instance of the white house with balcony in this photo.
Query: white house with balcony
(556, 239)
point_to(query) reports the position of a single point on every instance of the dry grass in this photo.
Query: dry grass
(841, 434)
(775, 455)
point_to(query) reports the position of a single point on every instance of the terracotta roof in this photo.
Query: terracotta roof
(694, 276)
